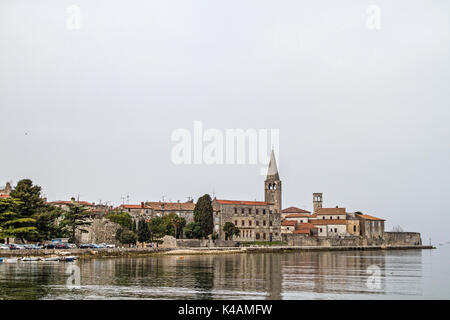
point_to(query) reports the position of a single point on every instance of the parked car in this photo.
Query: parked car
(72, 245)
(62, 246)
(4, 246)
(85, 246)
(16, 247)
(110, 246)
(32, 246)
(49, 246)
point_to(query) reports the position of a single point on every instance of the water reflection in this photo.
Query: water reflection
(301, 275)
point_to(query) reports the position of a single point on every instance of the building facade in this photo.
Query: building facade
(256, 220)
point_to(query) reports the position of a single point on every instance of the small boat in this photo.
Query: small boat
(11, 260)
(30, 259)
(50, 259)
(2, 259)
(68, 258)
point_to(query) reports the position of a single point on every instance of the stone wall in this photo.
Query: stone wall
(403, 238)
(390, 238)
(171, 242)
(100, 231)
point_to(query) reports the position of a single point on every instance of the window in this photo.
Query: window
(257, 235)
(354, 228)
(320, 229)
(249, 210)
(235, 222)
(242, 210)
(264, 235)
(270, 211)
(331, 217)
(242, 223)
(335, 229)
(264, 211)
(257, 211)
(257, 223)
(235, 210)
(338, 217)
(270, 223)
(250, 223)
(264, 222)
(323, 217)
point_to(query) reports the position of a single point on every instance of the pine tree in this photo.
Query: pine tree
(75, 219)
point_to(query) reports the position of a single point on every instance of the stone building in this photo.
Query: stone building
(371, 227)
(5, 191)
(330, 228)
(137, 211)
(256, 220)
(181, 209)
(294, 211)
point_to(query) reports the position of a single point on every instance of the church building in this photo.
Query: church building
(256, 220)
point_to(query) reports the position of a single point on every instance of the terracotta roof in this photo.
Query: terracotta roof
(4, 196)
(133, 206)
(248, 203)
(83, 203)
(328, 221)
(330, 211)
(366, 216)
(304, 228)
(183, 206)
(297, 216)
(294, 210)
(288, 223)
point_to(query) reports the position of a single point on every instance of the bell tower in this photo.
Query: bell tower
(317, 201)
(272, 184)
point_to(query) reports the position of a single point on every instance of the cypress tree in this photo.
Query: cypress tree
(203, 214)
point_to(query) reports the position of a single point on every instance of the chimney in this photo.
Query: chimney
(72, 199)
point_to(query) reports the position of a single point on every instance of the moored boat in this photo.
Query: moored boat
(50, 259)
(30, 259)
(11, 260)
(68, 258)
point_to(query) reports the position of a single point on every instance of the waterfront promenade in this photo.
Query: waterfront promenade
(119, 252)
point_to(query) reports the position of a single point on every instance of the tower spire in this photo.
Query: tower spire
(272, 171)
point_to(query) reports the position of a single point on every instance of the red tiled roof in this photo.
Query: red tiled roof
(304, 228)
(182, 206)
(330, 211)
(288, 223)
(133, 206)
(366, 216)
(328, 221)
(83, 203)
(294, 210)
(4, 196)
(248, 203)
(293, 215)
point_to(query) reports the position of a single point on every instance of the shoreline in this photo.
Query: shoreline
(136, 252)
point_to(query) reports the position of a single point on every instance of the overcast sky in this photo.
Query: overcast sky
(363, 114)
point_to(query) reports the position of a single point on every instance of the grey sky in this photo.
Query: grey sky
(363, 114)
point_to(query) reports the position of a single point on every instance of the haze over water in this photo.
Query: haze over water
(404, 274)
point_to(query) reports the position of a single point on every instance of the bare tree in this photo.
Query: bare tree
(397, 228)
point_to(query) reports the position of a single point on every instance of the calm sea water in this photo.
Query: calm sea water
(405, 274)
